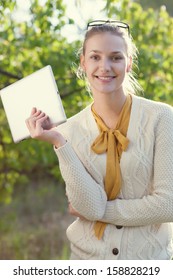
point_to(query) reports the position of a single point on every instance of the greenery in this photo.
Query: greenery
(31, 44)
(34, 223)
(156, 4)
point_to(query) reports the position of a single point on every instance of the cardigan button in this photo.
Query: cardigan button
(115, 251)
(119, 227)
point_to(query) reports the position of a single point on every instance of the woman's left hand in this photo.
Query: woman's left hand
(73, 212)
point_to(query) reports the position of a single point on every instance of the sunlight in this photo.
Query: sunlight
(80, 13)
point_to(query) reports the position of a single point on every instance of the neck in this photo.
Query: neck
(108, 107)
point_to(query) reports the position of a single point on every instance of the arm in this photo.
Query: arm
(158, 206)
(85, 195)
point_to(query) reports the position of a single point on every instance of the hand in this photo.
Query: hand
(74, 212)
(40, 128)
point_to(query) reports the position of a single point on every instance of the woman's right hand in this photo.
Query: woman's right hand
(40, 128)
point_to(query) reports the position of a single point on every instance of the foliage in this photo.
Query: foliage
(34, 223)
(26, 46)
(155, 4)
(152, 32)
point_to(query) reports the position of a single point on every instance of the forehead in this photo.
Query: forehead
(105, 42)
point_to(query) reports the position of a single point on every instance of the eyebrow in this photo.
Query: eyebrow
(97, 51)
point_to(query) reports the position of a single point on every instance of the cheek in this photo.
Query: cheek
(121, 68)
(89, 68)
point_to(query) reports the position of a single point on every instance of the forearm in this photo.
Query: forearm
(151, 209)
(84, 193)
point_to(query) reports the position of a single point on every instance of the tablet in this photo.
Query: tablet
(39, 90)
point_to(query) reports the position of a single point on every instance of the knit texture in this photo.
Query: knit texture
(144, 207)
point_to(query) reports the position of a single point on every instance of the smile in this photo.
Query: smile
(106, 78)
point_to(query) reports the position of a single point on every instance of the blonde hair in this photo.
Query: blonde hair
(131, 85)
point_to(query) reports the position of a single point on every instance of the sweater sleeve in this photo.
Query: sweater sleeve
(158, 206)
(85, 194)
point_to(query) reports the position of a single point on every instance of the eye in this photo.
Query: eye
(116, 58)
(95, 57)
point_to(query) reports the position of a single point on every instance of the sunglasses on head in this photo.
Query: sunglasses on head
(115, 23)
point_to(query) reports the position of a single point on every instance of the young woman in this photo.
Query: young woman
(116, 157)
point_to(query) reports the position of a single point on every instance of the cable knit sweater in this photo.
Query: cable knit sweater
(140, 219)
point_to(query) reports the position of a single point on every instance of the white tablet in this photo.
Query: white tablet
(36, 90)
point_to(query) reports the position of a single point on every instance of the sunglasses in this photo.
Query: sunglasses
(115, 23)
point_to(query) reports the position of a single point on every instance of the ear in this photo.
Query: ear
(129, 64)
(82, 62)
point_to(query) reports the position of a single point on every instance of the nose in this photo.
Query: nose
(105, 65)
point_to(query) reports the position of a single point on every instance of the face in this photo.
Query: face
(105, 63)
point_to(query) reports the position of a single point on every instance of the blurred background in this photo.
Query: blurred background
(33, 34)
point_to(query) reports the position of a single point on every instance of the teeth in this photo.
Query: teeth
(105, 78)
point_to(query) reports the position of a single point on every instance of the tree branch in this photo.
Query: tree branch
(5, 73)
(72, 92)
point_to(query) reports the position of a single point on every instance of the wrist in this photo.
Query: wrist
(59, 143)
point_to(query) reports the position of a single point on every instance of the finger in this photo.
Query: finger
(32, 120)
(36, 126)
(41, 119)
(37, 113)
(33, 111)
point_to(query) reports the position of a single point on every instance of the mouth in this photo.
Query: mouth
(106, 78)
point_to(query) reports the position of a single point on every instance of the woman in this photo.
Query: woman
(116, 157)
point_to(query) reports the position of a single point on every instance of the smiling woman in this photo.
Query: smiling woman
(115, 157)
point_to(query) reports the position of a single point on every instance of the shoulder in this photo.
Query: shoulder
(153, 117)
(153, 108)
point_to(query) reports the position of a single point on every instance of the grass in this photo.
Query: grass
(33, 226)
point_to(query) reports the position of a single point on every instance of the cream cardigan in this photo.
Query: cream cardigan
(140, 219)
